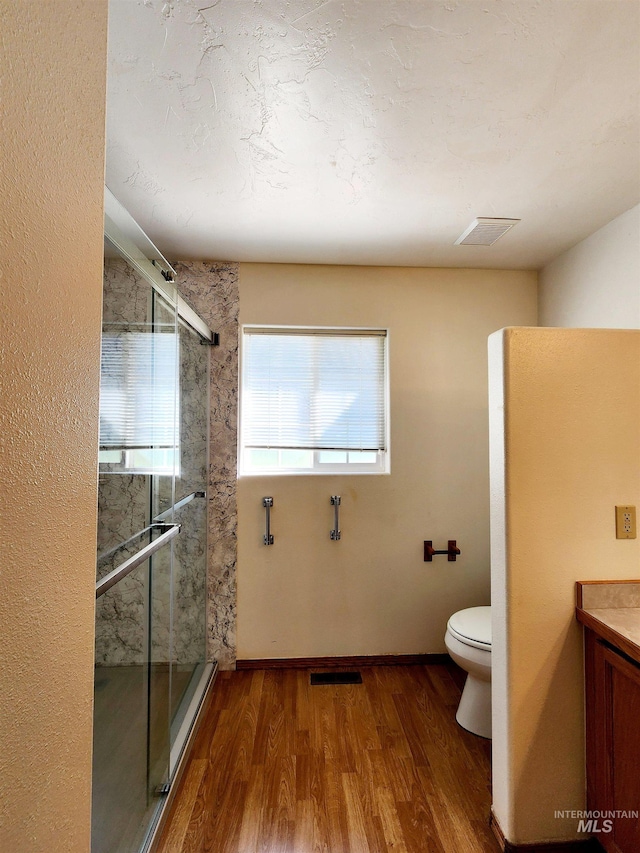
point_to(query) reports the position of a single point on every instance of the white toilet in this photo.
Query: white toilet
(468, 641)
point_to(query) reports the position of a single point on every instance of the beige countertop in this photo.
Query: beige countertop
(611, 610)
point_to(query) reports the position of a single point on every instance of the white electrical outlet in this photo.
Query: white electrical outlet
(625, 522)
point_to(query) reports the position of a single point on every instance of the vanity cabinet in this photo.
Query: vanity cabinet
(612, 743)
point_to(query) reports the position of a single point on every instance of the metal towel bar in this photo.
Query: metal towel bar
(183, 502)
(335, 533)
(168, 532)
(267, 503)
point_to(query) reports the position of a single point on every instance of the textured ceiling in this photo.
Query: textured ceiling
(373, 131)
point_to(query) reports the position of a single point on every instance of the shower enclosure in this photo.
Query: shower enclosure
(150, 655)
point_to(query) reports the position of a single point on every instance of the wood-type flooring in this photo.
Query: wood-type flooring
(280, 766)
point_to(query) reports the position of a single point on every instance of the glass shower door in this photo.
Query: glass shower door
(190, 552)
(139, 454)
(131, 723)
(151, 669)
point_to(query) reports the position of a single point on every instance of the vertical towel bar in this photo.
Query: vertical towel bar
(267, 503)
(335, 502)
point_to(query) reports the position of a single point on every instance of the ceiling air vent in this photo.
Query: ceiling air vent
(484, 231)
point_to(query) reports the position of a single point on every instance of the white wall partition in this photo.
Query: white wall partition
(596, 284)
(565, 450)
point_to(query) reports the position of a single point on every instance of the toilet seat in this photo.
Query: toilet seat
(472, 627)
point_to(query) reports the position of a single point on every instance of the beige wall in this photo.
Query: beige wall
(565, 449)
(372, 593)
(51, 185)
(596, 284)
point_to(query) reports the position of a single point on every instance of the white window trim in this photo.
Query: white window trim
(382, 467)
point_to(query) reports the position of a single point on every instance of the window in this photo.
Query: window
(313, 401)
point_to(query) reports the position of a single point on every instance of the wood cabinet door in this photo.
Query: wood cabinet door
(613, 745)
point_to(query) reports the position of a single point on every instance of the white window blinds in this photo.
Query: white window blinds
(314, 389)
(137, 391)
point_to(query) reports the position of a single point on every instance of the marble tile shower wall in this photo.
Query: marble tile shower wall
(181, 605)
(190, 547)
(189, 584)
(212, 290)
(123, 499)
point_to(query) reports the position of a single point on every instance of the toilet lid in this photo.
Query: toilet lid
(472, 625)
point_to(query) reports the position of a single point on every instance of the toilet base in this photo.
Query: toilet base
(474, 710)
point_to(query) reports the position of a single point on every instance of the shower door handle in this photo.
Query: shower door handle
(168, 532)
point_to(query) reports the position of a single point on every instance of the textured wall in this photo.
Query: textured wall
(53, 62)
(371, 592)
(565, 444)
(596, 283)
(212, 290)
